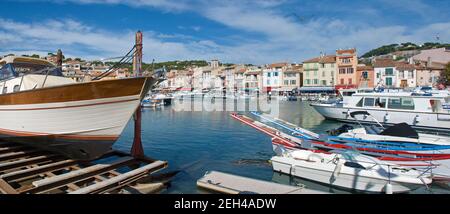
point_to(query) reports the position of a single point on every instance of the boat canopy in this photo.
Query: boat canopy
(13, 66)
(401, 130)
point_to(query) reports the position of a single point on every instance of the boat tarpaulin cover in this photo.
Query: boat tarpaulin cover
(401, 130)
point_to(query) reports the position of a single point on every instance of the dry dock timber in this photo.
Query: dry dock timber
(233, 184)
(29, 170)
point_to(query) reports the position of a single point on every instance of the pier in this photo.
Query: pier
(28, 170)
(233, 184)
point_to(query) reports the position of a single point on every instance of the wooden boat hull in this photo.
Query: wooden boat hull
(80, 120)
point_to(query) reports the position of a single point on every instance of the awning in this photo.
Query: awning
(316, 89)
(337, 87)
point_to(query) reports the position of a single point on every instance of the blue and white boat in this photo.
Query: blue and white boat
(400, 137)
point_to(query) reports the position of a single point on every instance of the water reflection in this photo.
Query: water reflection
(197, 141)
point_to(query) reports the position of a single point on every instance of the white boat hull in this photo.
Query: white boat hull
(81, 121)
(353, 180)
(432, 122)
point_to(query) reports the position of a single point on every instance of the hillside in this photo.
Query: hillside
(177, 65)
(386, 49)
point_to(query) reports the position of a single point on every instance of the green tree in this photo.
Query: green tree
(445, 75)
(35, 56)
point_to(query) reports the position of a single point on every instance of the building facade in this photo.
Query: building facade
(428, 76)
(273, 76)
(253, 79)
(406, 75)
(365, 76)
(320, 71)
(292, 78)
(346, 61)
(385, 73)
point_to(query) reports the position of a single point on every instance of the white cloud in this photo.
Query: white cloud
(281, 38)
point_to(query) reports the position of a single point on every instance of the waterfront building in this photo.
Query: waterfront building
(385, 73)
(406, 75)
(70, 67)
(239, 77)
(273, 76)
(228, 74)
(207, 78)
(253, 79)
(180, 80)
(346, 61)
(197, 81)
(52, 58)
(219, 79)
(428, 75)
(292, 78)
(365, 76)
(320, 71)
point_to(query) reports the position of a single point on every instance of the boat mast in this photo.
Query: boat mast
(136, 149)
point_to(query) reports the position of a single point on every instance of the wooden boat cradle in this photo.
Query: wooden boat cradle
(27, 170)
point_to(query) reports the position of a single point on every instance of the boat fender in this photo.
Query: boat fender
(386, 117)
(388, 188)
(417, 119)
(337, 170)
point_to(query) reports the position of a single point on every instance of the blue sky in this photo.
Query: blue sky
(238, 31)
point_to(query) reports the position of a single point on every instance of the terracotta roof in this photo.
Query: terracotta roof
(380, 63)
(347, 51)
(252, 73)
(242, 70)
(404, 66)
(421, 67)
(365, 67)
(324, 59)
(277, 65)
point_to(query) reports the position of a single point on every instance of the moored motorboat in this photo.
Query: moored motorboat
(426, 111)
(41, 108)
(349, 170)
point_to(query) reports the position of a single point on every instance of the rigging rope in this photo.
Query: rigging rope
(126, 59)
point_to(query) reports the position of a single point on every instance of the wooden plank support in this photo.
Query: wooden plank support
(5, 188)
(11, 148)
(14, 155)
(121, 180)
(77, 175)
(37, 170)
(143, 159)
(25, 162)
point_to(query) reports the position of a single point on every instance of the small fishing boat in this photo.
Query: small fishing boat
(400, 137)
(42, 108)
(433, 164)
(156, 100)
(349, 170)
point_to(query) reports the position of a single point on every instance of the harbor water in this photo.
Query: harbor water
(197, 141)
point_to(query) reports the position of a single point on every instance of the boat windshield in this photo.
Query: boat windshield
(20, 69)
